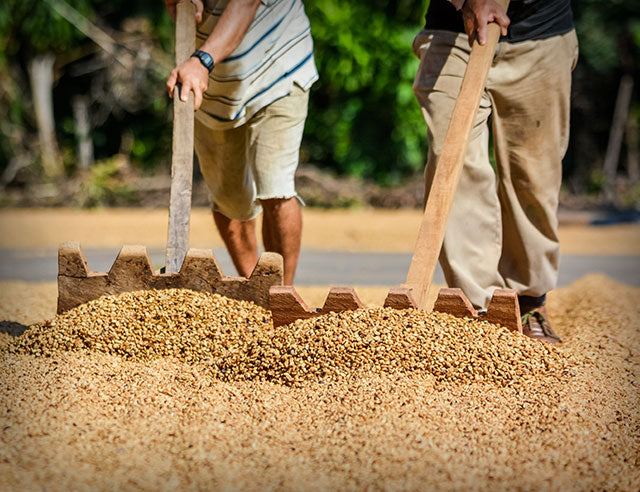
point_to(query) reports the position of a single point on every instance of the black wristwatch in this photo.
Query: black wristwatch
(205, 58)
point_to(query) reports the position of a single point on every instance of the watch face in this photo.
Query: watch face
(205, 58)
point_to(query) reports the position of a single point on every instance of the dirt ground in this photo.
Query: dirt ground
(344, 230)
(89, 421)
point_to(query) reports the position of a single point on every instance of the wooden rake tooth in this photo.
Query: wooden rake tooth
(198, 260)
(400, 298)
(454, 302)
(270, 266)
(77, 284)
(286, 305)
(200, 271)
(267, 273)
(132, 269)
(504, 310)
(72, 261)
(341, 299)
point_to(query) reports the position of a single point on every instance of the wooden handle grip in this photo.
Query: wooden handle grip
(185, 31)
(449, 168)
(182, 154)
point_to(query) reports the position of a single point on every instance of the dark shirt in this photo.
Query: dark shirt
(530, 19)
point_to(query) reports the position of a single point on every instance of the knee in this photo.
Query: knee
(274, 205)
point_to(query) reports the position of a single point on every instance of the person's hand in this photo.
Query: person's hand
(193, 76)
(170, 5)
(477, 14)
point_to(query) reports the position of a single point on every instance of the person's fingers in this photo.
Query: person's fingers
(468, 26)
(197, 98)
(482, 31)
(171, 82)
(472, 38)
(199, 10)
(186, 87)
(503, 21)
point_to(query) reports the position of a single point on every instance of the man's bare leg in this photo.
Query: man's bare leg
(282, 231)
(240, 239)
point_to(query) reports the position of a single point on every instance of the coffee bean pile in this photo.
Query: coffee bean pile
(238, 342)
(144, 325)
(384, 340)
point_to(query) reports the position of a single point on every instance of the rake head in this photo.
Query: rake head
(200, 271)
(287, 306)
(133, 270)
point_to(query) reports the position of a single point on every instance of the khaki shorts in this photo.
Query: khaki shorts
(256, 161)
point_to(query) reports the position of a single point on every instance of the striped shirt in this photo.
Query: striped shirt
(276, 52)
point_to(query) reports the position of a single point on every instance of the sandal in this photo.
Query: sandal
(536, 325)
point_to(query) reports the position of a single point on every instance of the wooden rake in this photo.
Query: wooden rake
(287, 305)
(186, 268)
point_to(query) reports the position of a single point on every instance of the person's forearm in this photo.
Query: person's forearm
(230, 29)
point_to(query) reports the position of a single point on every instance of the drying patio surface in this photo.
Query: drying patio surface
(89, 420)
(339, 230)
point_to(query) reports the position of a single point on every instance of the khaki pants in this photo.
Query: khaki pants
(502, 231)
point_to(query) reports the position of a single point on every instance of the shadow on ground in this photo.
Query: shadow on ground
(13, 328)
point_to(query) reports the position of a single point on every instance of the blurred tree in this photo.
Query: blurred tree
(112, 54)
(31, 33)
(609, 36)
(363, 118)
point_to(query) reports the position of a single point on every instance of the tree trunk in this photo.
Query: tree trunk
(633, 153)
(83, 132)
(41, 75)
(615, 136)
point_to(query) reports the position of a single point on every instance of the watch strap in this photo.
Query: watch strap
(205, 58)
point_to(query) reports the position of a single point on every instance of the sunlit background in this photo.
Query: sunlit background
(85, 119)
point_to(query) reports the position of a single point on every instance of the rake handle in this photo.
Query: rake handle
(182, 151)
(449, 167)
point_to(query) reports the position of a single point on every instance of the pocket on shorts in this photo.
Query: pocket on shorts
(295, 104)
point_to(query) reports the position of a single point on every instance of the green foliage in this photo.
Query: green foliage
(631, 197)
(597, 182)
(363, 118)
(601, 26)
(608, 30)
(598, 46)
(609, 40)
(32, 27)
(104, 185)
(609, 34)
